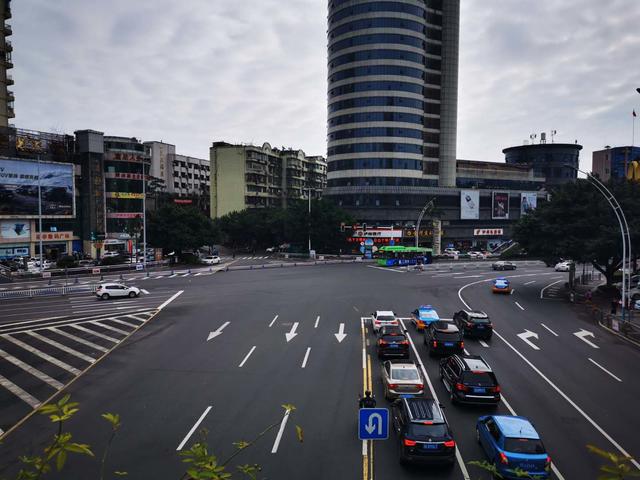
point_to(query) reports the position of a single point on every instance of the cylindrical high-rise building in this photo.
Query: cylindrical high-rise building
(392, 104)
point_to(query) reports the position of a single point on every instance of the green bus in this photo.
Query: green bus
(391, 256)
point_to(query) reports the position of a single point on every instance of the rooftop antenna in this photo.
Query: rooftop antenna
(553, 134)
(533, 137)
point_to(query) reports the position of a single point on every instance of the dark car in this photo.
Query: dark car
(393, 344)
(502, 265)
(474, 323)
(443, 338)
(423, 433)
(469, 379)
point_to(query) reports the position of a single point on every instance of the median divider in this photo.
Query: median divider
(47, 291)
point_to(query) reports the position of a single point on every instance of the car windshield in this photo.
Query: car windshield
(404, 374)
(447, 336)
(420, 431)
(481, 379)
(524, 445)
(394, 338)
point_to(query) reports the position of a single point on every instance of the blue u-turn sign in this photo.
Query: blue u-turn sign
(373, 424)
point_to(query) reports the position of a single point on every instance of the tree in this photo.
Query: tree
(578, 223)
(177, 228)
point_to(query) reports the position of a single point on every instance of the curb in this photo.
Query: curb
(633, 342)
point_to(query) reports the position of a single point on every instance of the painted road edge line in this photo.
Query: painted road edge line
(170, 300)
(193, 429)
(604, 369)
(550, 285)
(283, 424)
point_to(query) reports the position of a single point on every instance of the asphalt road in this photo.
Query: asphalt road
(167, 380)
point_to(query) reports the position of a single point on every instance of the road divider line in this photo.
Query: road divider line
(483, 343)
(94, 333)
(552, 332)
(388, 269)
(317, 321)
(273, 321)
(193, 429)
(520, 306)
(20, 393)
(306, 357)
(247, 357)
(170, 300)
(109, 327)
(531, 282)
(62, 347)
(550, 285)
(78, 339)
(52, 382)
(276, 444)
(122, 322)
(48, 358)
(604, 369)
(459, 458)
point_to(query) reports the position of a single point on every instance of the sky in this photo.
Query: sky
(253, 71)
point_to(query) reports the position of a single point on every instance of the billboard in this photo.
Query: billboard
(528, 202)
(19, 181)
(469, 204)
(15, 230)
(500, 205)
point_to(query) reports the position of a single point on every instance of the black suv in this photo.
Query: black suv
(392, 343)
(443, 338)
(474, 323)
(469, 379)
(391, 330)
(423, 432)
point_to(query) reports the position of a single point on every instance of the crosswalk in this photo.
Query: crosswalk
(39, 358)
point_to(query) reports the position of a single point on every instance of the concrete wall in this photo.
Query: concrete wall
(227, 180)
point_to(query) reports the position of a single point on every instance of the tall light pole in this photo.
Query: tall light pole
(40, 215)
(309, 223)
(144, 218)
(624, 231)
(427, 208)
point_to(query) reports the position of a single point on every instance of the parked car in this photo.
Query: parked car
(563, 266)
(511, 443)
(474, 323)
(479, 255)
(423, 433)
(210, 260)
(382, 318)
(422, 316)
(443, 338)
(401, 377)
(503, 265)
(106, 291)
(469, 379)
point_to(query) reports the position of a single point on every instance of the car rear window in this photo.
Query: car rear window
(479, 320)
(482, 379)
(447, 336)
(385, 318)
(523, 445)
(404, 374)
(393, 338)
(420, 431)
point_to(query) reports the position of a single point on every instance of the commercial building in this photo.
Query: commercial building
(614, 162)
(392, 100)
(557, 162)
(249, 176)
(6, 96)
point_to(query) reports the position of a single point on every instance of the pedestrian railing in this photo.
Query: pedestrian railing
(47, 291)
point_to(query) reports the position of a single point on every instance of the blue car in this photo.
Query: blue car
(513, 445)
(423, 316)
(501, 285)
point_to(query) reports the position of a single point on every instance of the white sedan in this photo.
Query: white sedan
(107, 290)
(563, 267)
(210, 260)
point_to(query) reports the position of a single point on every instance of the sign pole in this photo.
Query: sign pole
(40, 215)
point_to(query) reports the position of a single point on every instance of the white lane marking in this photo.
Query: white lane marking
(273, 321)
(122, 322)
(292, 333)
(585, 333)
(483, 343)
(93, 332)
(364, 351)
(388, 269)
(571, 402)
(144, 291)
(193, 429)
(41, 354)
(5, 325)
(317, 321)
(33, 371)
(62, 347)
(198, 274)
(78, 339)
(171, 300)
(526, 335)
(247, 357)
(461, 463)
(471, 276)
(174, 275)
(276, 444)
(137, 318)
(550, 285)
(531, 282)
(185, 275)
(466, 352)
(306, 357)
(520, 306)
(109, 327)
(513, 290)
(604, 369)
(554, 333)
(364, 448)
(20, 393)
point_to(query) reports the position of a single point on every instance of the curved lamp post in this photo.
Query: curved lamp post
(427, 208)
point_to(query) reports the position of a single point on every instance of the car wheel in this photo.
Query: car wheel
(132, 294)
(104, 296)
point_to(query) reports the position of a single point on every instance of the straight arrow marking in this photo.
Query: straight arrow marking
(217, 332)
(585, 333)
(526, 335)
(340, 336)
(292, 333)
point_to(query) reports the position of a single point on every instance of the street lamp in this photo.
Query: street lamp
(427, 208)
(309, 223)
(624, 231)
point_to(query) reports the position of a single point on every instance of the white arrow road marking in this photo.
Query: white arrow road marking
(340, 336)
(554, 333)
(526, 335)
(317, 321)
(217, 332)
(520, 306)
(193, 429)
(604, 369)
(371, 426)
(292, 333)
(585, 333)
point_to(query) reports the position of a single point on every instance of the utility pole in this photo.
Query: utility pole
(309, 222)
(144, 218)
(40, 215)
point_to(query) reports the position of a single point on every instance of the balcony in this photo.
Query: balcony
(10, 96)
(9, 80)
(7, 12)
(7, 47)
(7, 30)
(10, 112)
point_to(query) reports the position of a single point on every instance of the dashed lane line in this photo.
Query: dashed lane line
(547, 328)
(247, 357)
(604, 369)
(193, 429)
(276, 444)
(33, 371)
(520, 306)
(41, 354)
(306, 357)
(483, 343)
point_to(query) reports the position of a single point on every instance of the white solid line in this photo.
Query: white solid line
(185, 275)
(247, 357)
(43, 355)
(78, 339)
(571, 402)
(276, 444)
(459, 458)
(471, 276)
(170, 300)
(387, 269)
(520, 306)
(550, 285)
(554, 333)
(62, 347)
(531, 282)
(122, 322)
(306, 357)
(273, 321)
(364, 351)
(483, 343)
(193, 429)
(20, 393)
(133, 317)
(317, 321)
(109, 327)
(33, 371)
(93, 332)
(4, 325)
(604, 369)
(174, 275)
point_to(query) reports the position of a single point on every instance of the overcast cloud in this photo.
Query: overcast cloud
(196, 71)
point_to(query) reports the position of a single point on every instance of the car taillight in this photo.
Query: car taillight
(461, 344)
(435, 344)
(409, 443)
(547, 463)
(381, 342)
(393, 386)
(450, 443)
(420, 386)
(405, 342)
(496, 389)
(503, 459)
(461, 387)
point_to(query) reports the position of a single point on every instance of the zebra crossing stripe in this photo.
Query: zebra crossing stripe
(29, 369)
(62, 347)
(20, 393)
(78, 339)
(109, 327)
(93, 332)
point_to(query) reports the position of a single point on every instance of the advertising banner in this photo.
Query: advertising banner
(15, 230)
(528, 202)
(437, 236)
(19, 181)
(488, 232)
(500, 205)
(469, 204)
(129, 195)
